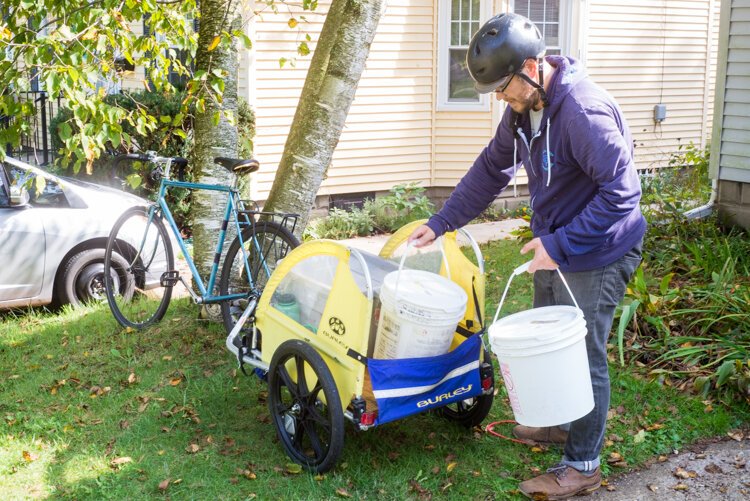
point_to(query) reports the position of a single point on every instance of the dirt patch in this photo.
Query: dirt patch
(708, 471)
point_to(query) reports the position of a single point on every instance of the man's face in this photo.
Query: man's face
(519, 95)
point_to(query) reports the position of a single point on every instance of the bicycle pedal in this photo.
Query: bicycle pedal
(169, 278)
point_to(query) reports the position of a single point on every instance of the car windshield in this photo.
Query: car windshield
(43, 192)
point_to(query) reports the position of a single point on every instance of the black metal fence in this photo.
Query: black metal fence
(36, 145)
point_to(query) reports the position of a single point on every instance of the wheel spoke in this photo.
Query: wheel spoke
(301, 378)
(317, 445)
(287, 381)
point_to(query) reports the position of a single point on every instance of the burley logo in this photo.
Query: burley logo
(445, 396)
(337, 326)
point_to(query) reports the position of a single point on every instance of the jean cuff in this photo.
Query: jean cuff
(584, 467)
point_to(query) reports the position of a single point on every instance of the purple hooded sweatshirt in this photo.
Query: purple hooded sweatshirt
(584, 187)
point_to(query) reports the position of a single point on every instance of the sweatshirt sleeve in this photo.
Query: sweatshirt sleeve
(488, 176)
(603, 152)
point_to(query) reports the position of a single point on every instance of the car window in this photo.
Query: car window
(4, 187)
(43, 192)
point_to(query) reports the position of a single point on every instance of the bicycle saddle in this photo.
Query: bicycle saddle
(238, 166)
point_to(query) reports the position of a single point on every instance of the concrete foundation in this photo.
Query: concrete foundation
(733, 202)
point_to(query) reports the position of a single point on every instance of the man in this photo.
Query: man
(571, 138)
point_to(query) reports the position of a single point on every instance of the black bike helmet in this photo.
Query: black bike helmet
(500, 48)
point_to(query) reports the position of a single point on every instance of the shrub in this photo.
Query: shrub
(172, 137)
(403, 204)
(340, 224)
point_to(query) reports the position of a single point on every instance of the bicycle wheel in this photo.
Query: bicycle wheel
(148, 253)
(271, 243)
(305, 406)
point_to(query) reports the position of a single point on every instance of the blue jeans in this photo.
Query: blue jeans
(598, 292)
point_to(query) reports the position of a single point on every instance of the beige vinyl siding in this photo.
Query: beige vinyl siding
(731, 154)
(387, 136)
(459, 138)
(647, 52)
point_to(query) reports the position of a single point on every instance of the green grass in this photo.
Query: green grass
(74, 423)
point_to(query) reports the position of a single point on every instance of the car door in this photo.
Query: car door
(22, 247)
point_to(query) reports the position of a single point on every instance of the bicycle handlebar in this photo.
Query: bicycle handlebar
(150, 156)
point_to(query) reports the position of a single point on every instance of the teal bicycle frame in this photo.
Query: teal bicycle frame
(234, 206)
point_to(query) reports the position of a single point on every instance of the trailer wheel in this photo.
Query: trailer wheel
(305, 406)
(472, 411)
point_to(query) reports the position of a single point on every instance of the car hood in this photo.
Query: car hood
(96, 195)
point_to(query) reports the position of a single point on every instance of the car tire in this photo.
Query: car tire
(82, 280)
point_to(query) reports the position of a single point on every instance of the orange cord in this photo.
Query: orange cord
(490, 428)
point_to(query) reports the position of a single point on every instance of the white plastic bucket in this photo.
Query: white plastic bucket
(543, 361)
(419, 314)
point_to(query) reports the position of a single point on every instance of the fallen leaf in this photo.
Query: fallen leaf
(536, 449)
(341, 492)
(192, 448)
(611, 488)
(713, 468)
(29, 456)
(639, 437)
(319, 477)
(662, 459)
(175, 381)
(293, 468)
(167, 358)
(614, 457)
(120, 460)
(450, 467)
(178, 481)
(736, 435)
(681, 473)
(131, 378)
(163, 485)
(655, 426)
(652, 487)
(680, 487)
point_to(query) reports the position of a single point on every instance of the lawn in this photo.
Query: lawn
(92, 411)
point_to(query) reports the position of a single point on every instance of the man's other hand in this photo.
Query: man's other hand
(422, 236)
(542, 260)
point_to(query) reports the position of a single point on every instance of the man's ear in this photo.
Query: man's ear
(532, 68)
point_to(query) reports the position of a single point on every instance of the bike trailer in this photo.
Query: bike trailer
(314, 331)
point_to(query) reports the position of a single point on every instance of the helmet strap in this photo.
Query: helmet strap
(537, 85)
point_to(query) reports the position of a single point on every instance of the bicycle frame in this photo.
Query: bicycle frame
(234, 204)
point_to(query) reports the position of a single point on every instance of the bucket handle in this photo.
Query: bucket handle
(403, 259)
(524, 268)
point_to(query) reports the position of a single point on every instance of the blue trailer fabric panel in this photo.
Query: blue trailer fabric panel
(407, 386)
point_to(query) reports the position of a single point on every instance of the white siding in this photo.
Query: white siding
(732, 154)
(387, 136)
(647, 52)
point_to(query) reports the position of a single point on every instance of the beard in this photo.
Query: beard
(527, 102)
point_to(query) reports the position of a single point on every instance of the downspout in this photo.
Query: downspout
(704, 210)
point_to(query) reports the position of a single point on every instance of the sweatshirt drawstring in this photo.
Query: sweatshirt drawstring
(549, 160)
(515, 168)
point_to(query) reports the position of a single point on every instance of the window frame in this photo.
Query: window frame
(565, 26)
(443, 60)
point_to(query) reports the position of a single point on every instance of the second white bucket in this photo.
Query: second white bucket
(419, 314)
(543, 361)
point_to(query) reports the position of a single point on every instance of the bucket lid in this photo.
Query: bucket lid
(425, 290)
(538, 323)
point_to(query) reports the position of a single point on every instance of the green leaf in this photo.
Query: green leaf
(64, 130)
(115, 352)
(134, 180)
(216, 118)
(40, 184)
(303, 49)
(165, 119)
(726, 370)
(627, 314)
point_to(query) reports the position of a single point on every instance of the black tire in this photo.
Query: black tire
(82, 279)
(472, 411)
(148, 299)
(274, 241)
(309, 420)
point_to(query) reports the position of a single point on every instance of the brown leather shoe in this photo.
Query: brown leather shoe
(546, 435)
(561, 482)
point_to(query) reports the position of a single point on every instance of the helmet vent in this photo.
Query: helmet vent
(492, 32)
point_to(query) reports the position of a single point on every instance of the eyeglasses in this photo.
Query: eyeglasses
(501, 88)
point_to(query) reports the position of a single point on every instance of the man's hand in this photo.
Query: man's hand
(541, 260)
(422, 236)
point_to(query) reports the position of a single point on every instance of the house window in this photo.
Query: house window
(458, 21)
(546, 15)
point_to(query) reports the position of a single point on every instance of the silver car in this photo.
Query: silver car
(53, 232)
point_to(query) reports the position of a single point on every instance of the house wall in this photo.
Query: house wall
(730, 154)
(646, 52)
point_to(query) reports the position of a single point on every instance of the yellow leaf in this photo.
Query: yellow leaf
(175, 381)
(29, 456)
(680, 487)
(214, 43)
(292, 23)
(293, 468)
(192, 448)
(120, 460)
(343, 493)
(450, 467)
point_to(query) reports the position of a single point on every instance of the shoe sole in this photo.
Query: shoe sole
(541, 496)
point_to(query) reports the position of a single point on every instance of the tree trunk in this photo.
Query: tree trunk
(335, 70)
(212, 140)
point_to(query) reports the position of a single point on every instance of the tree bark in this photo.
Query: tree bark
(335, 70)
(212, 140)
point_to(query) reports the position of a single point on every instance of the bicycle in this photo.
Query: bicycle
(139, 287)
